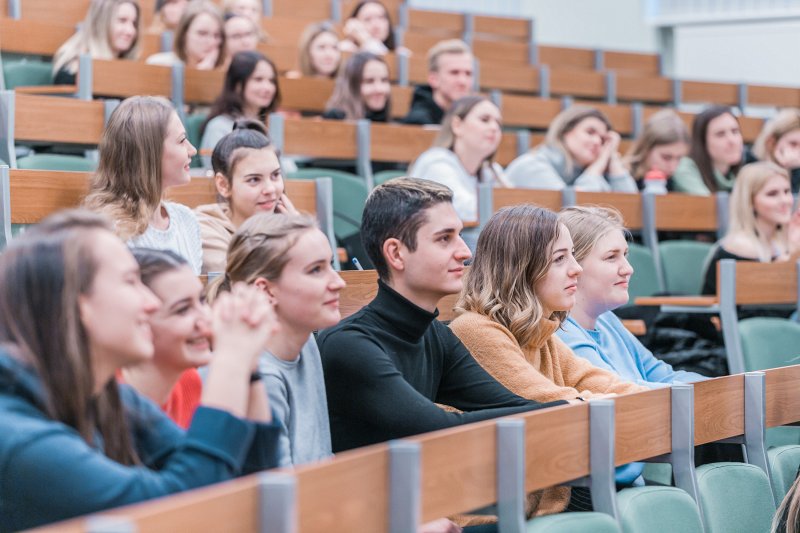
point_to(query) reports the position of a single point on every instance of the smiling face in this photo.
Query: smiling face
(585, 140)
(306, 294)
(556, 290)
(116, 311)
(773, 202)
(665, 157)
(177, 156)
(374, 18)
(453, 77)
(122, 33)
(606, 274)
(325, 54)
(375, 88)
(724, 141)
(259, 89)
(181, 326)
(256, 184)
(479, 131)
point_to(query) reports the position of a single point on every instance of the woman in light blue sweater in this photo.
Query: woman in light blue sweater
(592, 330)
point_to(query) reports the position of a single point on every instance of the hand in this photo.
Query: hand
(788, 157)
(285, 206)
(609, 148)
(209, 61)
(443, 525)
(243, 321)
(356, 30)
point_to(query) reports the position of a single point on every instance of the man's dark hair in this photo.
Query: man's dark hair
(396, 209)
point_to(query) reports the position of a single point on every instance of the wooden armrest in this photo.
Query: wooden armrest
(46, 89)
(685, 301)
(637, 327)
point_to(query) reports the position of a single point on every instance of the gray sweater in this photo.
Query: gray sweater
(546, 168)
(296, 391)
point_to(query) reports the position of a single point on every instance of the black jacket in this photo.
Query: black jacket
(424, 109)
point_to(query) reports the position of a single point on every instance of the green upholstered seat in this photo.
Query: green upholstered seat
(69, 163)
(573, 523)
(644, 281)
(657, 510)
(735, 498)
(349, 196)
(783, 464)
(682, 263)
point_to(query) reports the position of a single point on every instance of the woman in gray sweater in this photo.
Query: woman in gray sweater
(580, 150)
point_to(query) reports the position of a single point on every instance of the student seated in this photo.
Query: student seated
(199, 40)
(252, 9)
(389, 364)
(73, 441)
(250, 91)
(289, 259)
(450, 70)
(248, 178)
(320, 56)
(463, 153)
(660, 147)
(143, 152)
(715, 155)
(241, 35)
(591, 330)
(368, 29)
(111, 31)
(362, 90)
(168, 15)
(779, 142)
(580, 150)
(181, 336)
(761, 225)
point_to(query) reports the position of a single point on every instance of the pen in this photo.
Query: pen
(357, 264)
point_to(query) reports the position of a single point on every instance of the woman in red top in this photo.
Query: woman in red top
(181, 336)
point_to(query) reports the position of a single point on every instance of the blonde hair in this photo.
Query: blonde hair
(785, 121)
(450, 46)
(94, 35)
(195, 8)
(311, 32)
(127, 186)
(260, 249)
(513, 253)
(750, 180)
(664, 127)
(790, 507)
(588, 224)
(564, 123)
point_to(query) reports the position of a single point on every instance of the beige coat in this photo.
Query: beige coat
(216, 230)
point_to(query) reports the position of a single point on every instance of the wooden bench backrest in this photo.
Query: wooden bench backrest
(202, 86)
(122, 79)
(718, 409)
(773, 96)
(628, 204)
(35, 194)
(632, 62)
(362, 286)
(529, 111)
(620, 116)
(320, 138)
(503, 197)
(502, 28)
(710, 92)
(577, 83)
(686, 212)
(54, 119)
(635, 440)
(32, 36)
(764, 283)
(559, 57)
(519, 78)
(287, 30)
(312, 94)
(446, 25)
(556, 446)
(633, 87)
(782, 386)
(70, 13)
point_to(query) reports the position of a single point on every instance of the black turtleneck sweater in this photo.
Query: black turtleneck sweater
(388, 365)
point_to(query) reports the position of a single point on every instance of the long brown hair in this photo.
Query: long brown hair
(513, 253)
(664, 127)
(127, 186)
(42, 275)
(699, 149)
(193, 9)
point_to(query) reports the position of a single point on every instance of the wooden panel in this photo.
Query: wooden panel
(58, 90)
(398, 142)
(688, 118)
(54, 119)
(320, 138)
(458, 469)
(202, 86)
(502, 28)
(621, 116)
(287, 30)
(630, 61)
(345, 495)
(419, 41)
(529, 111)
(635, 440)
(151, 44)
(305, 94)
(507, 151)
(585, 83)
(313, 10)
(285, 56)
(503, 197)
(362, 286)
(401, 100)
(707, 92)
(556, 446)
(644, 89)
(558, 57)
(773, 96)
(522, 79)
(130, 78)
(628, 204)
(760, 283)
(751, 127)
(783, 406)
(506, 52)
(683, 301)
(418, 69)
(718, 409)
(31, 36)
(35, 194)
(436, 22)
(68, 13)
(686, 212)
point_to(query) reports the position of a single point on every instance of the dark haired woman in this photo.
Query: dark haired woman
(715, 155)
(250, 91)
(369, 29)
(362, 90)
(247, 174)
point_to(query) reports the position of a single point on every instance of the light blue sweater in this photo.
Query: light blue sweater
(612, 347)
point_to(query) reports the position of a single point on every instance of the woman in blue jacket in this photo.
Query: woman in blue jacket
(73, 312)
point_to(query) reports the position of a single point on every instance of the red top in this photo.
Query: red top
(184, 398)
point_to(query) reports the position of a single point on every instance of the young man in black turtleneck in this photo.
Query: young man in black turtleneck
(388, 365)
